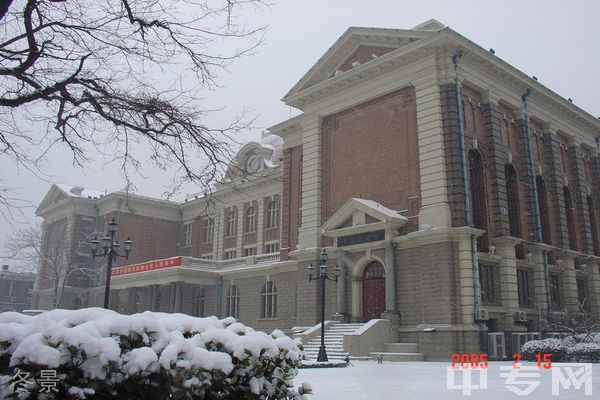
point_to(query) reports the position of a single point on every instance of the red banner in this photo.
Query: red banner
(147, 266)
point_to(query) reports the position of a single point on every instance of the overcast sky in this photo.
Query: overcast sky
(555, 40)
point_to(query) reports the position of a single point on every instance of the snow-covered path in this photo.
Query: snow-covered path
(427, 380)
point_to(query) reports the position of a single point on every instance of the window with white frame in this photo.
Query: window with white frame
(250, 225)
(230, 227)
(269, 300)
(209, 229)
(272, 248)
(187, 234)
(249, 251)
(233, 301)
(230, 254)
(272, 214)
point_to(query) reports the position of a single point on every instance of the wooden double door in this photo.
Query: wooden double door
(373, 291)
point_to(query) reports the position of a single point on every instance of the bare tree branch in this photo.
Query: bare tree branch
(120, 77)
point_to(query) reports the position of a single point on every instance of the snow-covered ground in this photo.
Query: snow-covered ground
(428, 380)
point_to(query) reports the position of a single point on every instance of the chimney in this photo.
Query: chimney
(4, 268)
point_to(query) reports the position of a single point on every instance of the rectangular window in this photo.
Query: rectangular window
(555, 291)
(525, 287)
(230, 227)
(187, 234)
(271, 248)
(489, 280)
(249, 251)
(250, 225)
(86, 230)
(206, 257)
(209, 229)
(230, 254)
(272, 214)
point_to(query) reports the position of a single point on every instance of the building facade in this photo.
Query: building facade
(15, 289)
(459, 197)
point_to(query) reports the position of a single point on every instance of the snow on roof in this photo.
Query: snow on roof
(78, 191)
(381, 208)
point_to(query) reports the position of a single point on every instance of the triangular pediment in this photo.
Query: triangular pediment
(54, 195)
(359, 46)
(362, 215)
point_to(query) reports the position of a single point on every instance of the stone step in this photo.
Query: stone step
(400, 348)
(399, 356)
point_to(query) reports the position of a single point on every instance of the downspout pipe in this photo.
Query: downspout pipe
(536, 205)
(466, 190)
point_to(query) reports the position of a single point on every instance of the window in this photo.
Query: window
(554, 281)
(249, 251)
(233, 301)
(250, 225)
(269, 300)
(86, 231)
(230, 227)
(525, 287)
(478, 197)
(206, 257)
(271, 248)
(582, 296)
(158, 300)
(187, 234)
(489, 281)
(209, 229)
(570, 218)
(272, 214)
(512, 194)
(593, 225)
(230, 254)
(543, 209)
(198, 306)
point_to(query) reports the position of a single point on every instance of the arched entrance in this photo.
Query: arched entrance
(373, 290)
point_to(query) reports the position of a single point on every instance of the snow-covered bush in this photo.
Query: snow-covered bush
(100, 354)
(584, 352)
(556, 347)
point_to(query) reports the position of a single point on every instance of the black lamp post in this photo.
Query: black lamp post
(110, 247)
(323, 276)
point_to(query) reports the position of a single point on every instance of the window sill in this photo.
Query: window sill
(267, 319)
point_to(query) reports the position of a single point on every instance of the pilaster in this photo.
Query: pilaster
(584, 228)
(309, 235)
(568, 281)
(505, 248)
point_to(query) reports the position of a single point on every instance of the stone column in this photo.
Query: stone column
(178, 296)
(390, 284)
(505, 248)
(356, 299)
(341, 312)
(568, 282)
(539, 276)
(465, 276)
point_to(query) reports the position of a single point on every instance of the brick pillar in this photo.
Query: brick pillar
(500, 225)
(580, 190)
(529, 193)
(454, 178)
(505, 248)
(555, 184)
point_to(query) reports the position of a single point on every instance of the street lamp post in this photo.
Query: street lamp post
(110, 247)
(323, 276)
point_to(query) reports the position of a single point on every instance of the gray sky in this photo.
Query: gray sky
(555, 40)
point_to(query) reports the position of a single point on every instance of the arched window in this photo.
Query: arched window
(570, 218)
(512, 196)
(544, 209)
(478, 197)
(198, 306)
(269, 300)
(233, 301)
(250, 225)
(594, 225)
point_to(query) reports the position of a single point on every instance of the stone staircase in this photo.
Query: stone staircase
(399, 352)
(334, 342)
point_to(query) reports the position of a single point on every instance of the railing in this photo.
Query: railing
(212, 265)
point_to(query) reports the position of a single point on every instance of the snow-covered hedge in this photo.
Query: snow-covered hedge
(101, 354)
(567, 349)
